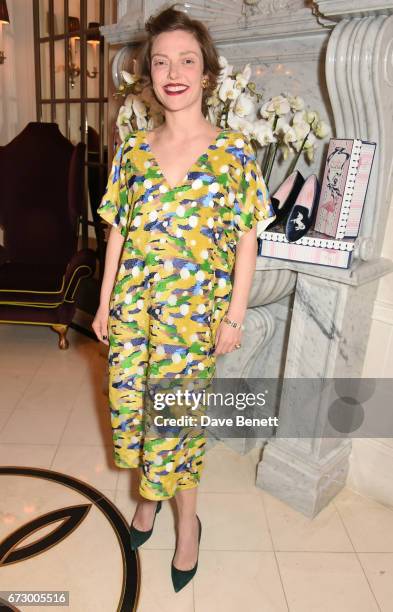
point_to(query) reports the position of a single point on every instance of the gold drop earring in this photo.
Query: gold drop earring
(205, 82)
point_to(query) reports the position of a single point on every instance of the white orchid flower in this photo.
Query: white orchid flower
(239, 123)
(213, 100)
(282, 126)
(312, 117)
(139, 107)
(233, 120)
(286, 132)
(252, 116)
(124, 115)
(264, 112)
(128, 77)
(285, 151)
(301, 132)
(290, 136)
(311, 140)
(296, 103)
(244, 106)
(211, 115)
(226, 69)
(247, 127)
(301, 129)
(321, 129)
(243, 77)
(123, 121)
(309, 153)
(141, 122)
(279, 105)
(262, 132)
(228, 90)
(297, 145)
(129, 100)
(299, 117)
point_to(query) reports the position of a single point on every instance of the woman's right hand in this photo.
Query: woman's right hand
(100, 324)
(109, 279)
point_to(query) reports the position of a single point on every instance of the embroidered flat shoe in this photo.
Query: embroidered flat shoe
(182, 577)
(285, 196)
(140, 537)
(302, 215)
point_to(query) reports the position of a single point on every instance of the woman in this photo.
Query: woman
(184, 200)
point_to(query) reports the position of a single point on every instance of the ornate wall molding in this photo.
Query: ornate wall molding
(359, 73)
(284, 54)
(272, 287)
(234, 21)
(338, 9)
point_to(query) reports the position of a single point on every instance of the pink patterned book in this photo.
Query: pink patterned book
(344, 187)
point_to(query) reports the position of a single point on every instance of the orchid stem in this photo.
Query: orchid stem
(271, 162)
(270, 155)
(295, 161)
(293, 164)
(265, 160)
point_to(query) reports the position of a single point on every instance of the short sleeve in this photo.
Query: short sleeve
(253, 204)
(114, 206)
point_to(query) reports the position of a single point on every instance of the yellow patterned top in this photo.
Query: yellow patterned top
(184, 235)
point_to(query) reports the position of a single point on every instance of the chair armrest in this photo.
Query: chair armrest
(82, 265)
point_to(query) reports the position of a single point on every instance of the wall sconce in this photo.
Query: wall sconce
(4, 18)
(74, 32)
(93, 38)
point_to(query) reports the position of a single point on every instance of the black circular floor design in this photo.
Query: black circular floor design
(72, 517)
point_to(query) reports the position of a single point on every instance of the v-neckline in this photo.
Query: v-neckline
(185, 177)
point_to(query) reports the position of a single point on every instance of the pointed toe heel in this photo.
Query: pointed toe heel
(182, 577)
(140, 537)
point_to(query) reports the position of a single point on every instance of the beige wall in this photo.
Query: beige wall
(372, 458)
(379, 358)
(17, 86)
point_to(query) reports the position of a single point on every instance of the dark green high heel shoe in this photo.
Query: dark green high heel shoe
(182, 577)
(140, 537)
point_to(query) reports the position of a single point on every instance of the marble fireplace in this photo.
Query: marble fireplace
(304, 321)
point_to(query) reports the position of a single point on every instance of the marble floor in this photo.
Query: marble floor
(256, 553)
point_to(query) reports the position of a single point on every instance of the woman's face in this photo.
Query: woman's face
(177, 69)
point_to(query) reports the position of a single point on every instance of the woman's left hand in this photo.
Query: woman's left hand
(226, 338)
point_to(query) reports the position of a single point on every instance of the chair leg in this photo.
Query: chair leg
(62, 331)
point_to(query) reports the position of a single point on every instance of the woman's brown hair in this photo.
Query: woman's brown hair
(169, 20)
